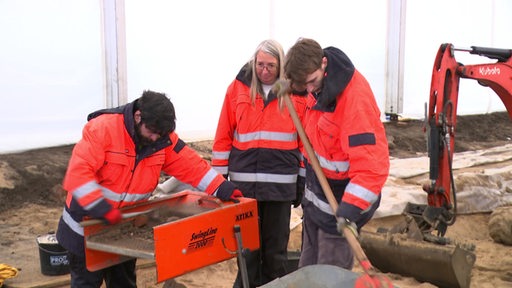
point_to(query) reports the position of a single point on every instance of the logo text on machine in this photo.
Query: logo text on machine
(243, 216)
(202, 239)
(489, 71)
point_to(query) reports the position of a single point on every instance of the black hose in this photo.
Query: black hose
(450, 161)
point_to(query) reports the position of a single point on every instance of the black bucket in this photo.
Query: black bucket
(52, 256)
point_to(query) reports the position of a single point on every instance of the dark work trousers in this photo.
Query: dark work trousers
(319, 247)
(118, 276)
(270, 261)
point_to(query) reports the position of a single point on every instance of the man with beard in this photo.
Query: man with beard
(117, 163)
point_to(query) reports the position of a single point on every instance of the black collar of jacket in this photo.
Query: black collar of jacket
(129, 123)
(245, 76)
(339, 72)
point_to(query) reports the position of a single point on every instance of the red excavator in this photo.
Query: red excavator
(418, 247)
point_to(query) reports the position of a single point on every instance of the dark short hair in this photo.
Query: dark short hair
(302, 59)
(157, 112)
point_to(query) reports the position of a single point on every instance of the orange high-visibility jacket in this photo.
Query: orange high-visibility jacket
(257, 144)
(107, 170)
(344, 127)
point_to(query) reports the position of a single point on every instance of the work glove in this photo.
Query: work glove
(228, 191)
(113, 216)
(301, 183)
(283, 87)
(236, 193)
(343, 222)
(348, 214)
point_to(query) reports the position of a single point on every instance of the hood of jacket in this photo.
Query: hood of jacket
(338, 73)
(129, 123)
(127, 110)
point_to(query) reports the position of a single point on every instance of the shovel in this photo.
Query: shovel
(370, 277)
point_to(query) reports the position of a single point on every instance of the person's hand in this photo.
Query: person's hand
(281, 88)
(343, 223)
(113, 216)
(236, 193)
(347, 215)
(228, 191)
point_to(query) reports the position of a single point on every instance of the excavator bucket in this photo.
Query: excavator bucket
(446, 265)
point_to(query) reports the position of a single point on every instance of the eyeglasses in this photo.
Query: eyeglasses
(271, 67)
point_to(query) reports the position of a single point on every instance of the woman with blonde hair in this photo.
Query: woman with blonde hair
(257, 147)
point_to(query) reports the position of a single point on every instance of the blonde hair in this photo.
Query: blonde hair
(273, 48)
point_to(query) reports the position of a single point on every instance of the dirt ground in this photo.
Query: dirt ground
(31, 200)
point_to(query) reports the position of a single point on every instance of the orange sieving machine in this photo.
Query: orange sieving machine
(184, 231)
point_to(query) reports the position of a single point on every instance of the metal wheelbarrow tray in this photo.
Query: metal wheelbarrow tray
(195, 230)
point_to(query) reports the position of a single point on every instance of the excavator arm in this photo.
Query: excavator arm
(408, 248)
(441, 121)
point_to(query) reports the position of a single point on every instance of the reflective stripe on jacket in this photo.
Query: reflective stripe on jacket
(257, 144)
(349, 140)
(106, 170)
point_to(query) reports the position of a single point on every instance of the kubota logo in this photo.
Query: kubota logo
(202, 239)
(489, 71)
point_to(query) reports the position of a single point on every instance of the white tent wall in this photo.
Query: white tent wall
(50, 71)
(192, 50)
(463, 23)
(194, 63)
(52, 55)
(356, 27)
